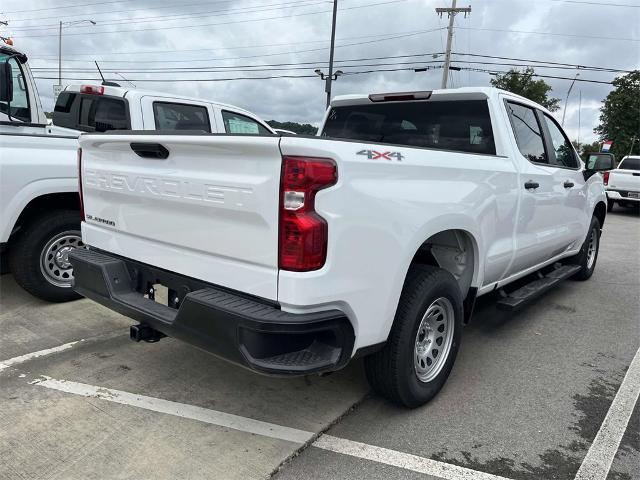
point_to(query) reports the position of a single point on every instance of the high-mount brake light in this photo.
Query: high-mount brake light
(92, 89)
(82, 218)
(303, 234)
(605, 178)
(400, 96)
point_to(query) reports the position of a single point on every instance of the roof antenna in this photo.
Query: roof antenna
(105, 82)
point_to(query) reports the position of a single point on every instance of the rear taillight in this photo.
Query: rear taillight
(605, 178)
(92, 89)
(303, 233)
(82, 219)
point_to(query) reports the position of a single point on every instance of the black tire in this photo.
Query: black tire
(582, 257)
(610, 204)
(392, 372)
(26, 249)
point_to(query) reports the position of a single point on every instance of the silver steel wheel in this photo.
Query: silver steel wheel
(54, 258)
(592, 248)
(434, 339)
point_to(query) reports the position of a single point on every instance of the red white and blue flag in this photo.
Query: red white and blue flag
(606, 145)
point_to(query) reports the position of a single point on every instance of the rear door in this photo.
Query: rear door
(205, 206)
(160, 113)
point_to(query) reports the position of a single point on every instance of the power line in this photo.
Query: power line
(550, 33)
(576, 65)
(186, 16)
(582, 2)
(222, 23)
(64, 6)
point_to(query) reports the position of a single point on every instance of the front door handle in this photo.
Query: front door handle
(531, 184)
(568, 184)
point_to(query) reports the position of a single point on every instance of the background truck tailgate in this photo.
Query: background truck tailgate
(209, 210)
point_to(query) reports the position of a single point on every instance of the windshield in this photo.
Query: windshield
(459, 125)
(630, 163)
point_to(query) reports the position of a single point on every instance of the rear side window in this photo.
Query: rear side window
(562, 148)
(91, 113)
(527, 132)
(459, 125)
(240, 124)
(180, 116)
(630, 163)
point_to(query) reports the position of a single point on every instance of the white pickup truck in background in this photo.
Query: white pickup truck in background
(39, 208)
(291, 255)
(623, 183)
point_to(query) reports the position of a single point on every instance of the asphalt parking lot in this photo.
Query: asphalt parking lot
(542, 394)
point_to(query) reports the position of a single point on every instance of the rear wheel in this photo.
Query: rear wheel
(38, 257)
(588, 254)
(423, 343)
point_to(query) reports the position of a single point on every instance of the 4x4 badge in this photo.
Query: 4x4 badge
(374, 155)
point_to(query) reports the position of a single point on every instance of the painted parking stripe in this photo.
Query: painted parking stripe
(272, 430)
(179, 409)
(40, 353)
(403, 460)
(597, 463)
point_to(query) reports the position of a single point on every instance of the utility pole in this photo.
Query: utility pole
(333, 42)
(58, 88)
(452, 12)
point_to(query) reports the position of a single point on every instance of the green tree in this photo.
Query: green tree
(620, 115)
(584, 149)
(522, 83)
(299, 128)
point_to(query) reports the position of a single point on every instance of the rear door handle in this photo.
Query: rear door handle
(531, 184)
(568, 184)
(150, 150)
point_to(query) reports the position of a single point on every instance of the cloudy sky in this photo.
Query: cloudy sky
(181, 42)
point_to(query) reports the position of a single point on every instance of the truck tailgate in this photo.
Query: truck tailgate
(622, 179)
(209, 210)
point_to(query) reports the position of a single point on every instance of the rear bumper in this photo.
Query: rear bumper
(622, 195)
(245, 330)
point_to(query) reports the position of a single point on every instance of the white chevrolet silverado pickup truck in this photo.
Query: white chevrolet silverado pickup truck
(39, 208)
(291, 255)
(623, 183)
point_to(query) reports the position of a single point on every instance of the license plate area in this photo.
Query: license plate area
(633, 195)
(162, 294)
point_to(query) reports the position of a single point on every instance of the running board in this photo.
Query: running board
(521, 297)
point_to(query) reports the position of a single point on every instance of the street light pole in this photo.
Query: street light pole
(92, 22)
(566, 100)
(60, 54)
(333, 42)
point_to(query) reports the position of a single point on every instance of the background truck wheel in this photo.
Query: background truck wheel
(38, 256)
(588, 254)
(424, 339)
(610, 204)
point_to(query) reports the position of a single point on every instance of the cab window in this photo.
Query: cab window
(457, 125)
(562, 154)
(180, 116)
(20, 109)
(527, 132)
(241, 124)
(91, 113)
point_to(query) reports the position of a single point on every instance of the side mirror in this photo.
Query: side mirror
(6, 82)
(600, 162)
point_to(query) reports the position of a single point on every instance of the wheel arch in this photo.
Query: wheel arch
(600, 212)
(47, 202)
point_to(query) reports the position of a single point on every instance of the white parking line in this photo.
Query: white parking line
(403, 460)
(597, 463)
(326, 442)
(29, 356)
